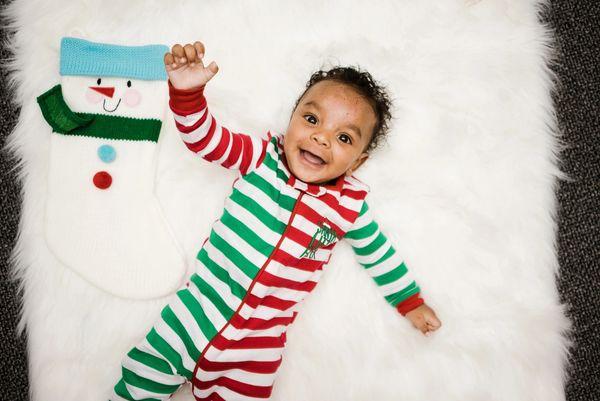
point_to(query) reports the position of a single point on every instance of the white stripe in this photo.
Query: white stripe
(215, 140)
(263, 200)
(291, 273)
(232, 333)
(243, 355)
(252, 222)
(263, 312)
(191, 326)
(148, 372)
(190, 119)
(237, 242)
(397, 285)
(234, 272)
(363, 242)
(386, 266)
(255, 379)
(167, 334)
(284, 293)
(295, 249)
(225, 393)
(376, 255)
(219, 286)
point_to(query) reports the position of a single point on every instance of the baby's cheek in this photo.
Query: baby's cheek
(92, 96)
(132, 97)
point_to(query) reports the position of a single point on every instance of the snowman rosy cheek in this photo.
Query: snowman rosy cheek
(132, 97)
(92, 96)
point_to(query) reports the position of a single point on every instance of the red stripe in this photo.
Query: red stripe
(190, 128)
(304, 239)
(258, 342)
(410, 303)
(305, 264)
(201, 144)
(263, 367)
(246, 154)
(271, 280)
(270, 302)
(311, 215)
(211, 397)
(236, 149)
(221, 148)
(238, 387)
(255, 323)
(185, 102)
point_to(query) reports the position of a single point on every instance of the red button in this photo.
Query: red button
(102, 180)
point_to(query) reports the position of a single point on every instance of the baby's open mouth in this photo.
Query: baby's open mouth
(311, 157)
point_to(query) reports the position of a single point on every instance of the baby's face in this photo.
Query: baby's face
(328, 133)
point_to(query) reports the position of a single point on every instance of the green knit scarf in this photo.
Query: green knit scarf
(65, 121)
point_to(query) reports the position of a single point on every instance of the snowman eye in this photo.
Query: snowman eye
(129, 84)
(98, 81)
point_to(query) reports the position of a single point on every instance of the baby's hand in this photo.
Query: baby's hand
(185, 67)
(424, 319)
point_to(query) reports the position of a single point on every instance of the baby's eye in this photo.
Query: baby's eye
(98, 81)
(345, 138)
(129, 84)
(310, 118)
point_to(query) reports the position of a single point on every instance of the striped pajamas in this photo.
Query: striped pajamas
(225, 332)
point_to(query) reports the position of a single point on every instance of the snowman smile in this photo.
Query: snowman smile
(110, 111)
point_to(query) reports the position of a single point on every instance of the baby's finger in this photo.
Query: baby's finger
(169, 60)
(177, 51)
(190, 53)
(199, 46)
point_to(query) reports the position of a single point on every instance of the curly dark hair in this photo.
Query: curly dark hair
(362, 81)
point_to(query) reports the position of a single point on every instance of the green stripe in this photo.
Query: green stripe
(191, 303)
(236, 289)
(249, 236)
(121, 390)
(147, 384)
(285, 201)
(150, 360)
(272, 164)
(235, 256)
(257, 210)
(403, 294)
(171, 319)
(385, 256)
(363, 232)
(371, 247)
(213, 296)
(396, 274)
(165, 349)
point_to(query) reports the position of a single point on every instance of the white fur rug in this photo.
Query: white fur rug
(464, 188)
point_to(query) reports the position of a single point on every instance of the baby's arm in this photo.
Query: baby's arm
(376, 254)
(198, 128)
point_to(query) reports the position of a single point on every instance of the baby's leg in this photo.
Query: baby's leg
(158, 366)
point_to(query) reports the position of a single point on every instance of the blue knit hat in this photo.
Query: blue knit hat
(82, 57)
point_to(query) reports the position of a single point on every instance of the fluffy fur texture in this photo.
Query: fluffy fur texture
(464, 187)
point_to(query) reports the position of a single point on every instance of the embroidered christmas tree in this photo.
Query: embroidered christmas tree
(103, 220)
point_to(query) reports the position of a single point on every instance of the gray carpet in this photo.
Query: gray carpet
(577, 103)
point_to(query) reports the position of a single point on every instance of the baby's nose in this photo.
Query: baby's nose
(321, 138)
(109, 92)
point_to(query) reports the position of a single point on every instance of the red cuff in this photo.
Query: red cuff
(410, 303)
(186, 101)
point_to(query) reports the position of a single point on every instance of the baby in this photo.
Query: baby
(294, 200)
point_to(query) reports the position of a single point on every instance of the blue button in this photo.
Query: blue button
(107, 153)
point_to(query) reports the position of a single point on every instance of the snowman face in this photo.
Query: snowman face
(115, 96)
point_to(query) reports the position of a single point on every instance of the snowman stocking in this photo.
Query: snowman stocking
(102, 218)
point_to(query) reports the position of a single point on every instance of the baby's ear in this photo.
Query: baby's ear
(359, 161)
